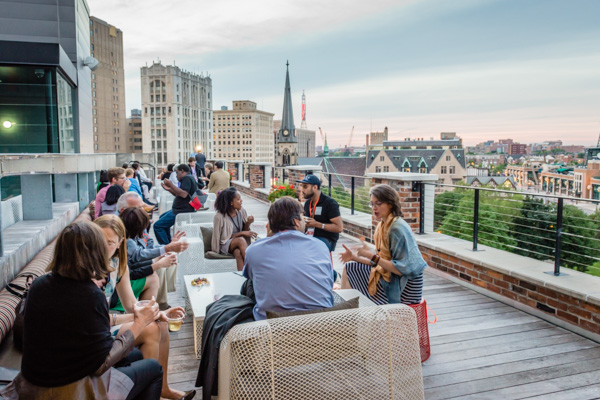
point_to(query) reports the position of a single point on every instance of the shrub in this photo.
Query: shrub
(278, 191)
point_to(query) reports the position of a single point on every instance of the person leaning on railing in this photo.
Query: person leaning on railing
(394, 274)
(68, 349)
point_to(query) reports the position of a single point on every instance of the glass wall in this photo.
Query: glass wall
(36, 111)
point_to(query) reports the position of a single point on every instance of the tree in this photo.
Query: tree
(580, 246)
(534, 229)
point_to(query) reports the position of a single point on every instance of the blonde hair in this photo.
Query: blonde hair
(129, 172)
(113, 222)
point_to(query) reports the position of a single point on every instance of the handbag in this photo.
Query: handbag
(195, 202)
(20, 292)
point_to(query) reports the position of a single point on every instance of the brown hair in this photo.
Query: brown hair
(80, 253)
(283, 212)
(387, 194)
(135, 220)
(113, 222)
(191, 159)
(129, 172)
(209, 166)
(113, 173)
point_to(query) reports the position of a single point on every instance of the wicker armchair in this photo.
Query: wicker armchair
(366, 353)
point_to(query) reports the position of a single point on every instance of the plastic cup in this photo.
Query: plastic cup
(142, 303)
(175, 324)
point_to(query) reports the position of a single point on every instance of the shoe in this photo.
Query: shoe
(189, 395)
(163, 307)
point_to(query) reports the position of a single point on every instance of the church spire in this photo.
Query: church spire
(287, 130)
(325, 148)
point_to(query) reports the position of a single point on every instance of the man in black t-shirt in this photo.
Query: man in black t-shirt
(323, 219)
(183, 195)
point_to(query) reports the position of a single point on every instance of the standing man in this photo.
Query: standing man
(116, 176)
(324, 221)
(219, 179)
(183, 195)
(200, 161)
(196, 171)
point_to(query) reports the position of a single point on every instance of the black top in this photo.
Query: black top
(326, 209)
(180, 204)
(66, 331)
(167, 175)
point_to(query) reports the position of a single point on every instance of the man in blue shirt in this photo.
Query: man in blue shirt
(289, 270)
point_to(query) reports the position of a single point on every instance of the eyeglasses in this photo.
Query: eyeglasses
(375, 204)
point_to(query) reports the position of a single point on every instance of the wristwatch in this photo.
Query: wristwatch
(323, 226)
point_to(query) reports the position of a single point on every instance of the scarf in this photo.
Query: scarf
(382, 242)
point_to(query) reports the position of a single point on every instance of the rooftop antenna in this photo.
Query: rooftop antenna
(303, 124)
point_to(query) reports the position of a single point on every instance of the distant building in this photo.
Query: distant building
(135, 132)
(306, 140)
(375, 139)
(476, 171)
(444, 157)
(517, 149)
(108, 88)
(176, 113)
(495, 182)
(243, 133)
(45, 70)
(341, 169)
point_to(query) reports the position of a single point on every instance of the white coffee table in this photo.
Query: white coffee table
(220, 284)
(199, 297)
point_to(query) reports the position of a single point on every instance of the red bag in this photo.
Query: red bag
(195, 202)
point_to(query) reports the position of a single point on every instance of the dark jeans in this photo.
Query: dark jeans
(162, 227)
(146, 376)
(331, 246)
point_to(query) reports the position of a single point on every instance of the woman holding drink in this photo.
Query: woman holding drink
(153, 341)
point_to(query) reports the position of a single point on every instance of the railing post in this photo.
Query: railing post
(559, 223)
(352, 200)
(329, 185)
(421, 208)
(475, 219)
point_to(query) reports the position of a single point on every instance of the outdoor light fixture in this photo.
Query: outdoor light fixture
(8, 124)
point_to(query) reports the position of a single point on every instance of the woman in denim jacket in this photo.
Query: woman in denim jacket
(395, 273)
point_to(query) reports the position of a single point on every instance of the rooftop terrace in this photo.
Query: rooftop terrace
(481, 348)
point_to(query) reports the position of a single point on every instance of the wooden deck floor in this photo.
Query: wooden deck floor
(480, 349)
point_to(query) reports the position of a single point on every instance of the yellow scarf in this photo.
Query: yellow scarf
(382, 242)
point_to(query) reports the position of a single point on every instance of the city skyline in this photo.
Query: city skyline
(484, 69)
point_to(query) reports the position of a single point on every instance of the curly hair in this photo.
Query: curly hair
(224, 200)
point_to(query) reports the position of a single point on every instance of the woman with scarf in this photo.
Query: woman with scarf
(394, 274)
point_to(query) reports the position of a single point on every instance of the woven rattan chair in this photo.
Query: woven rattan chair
(364, 353)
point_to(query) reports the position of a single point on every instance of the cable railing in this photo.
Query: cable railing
(546, 227)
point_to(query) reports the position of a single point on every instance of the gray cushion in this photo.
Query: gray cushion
(345, 305)
(217, 256)
(207, 232)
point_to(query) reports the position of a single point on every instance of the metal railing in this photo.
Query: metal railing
(561, 230)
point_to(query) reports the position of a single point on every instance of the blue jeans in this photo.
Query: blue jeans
(162, 227)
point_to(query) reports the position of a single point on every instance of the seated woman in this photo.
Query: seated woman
(231, 226)
(208, 170)
(154, 339)
(109, 205)
(144, 258)
(68, 350)
(395, 273)
(103, 181)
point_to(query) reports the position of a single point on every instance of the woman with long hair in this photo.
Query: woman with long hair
(231, 226)
(394, 274)
(68, 349)
(153, 342)
(109, 205)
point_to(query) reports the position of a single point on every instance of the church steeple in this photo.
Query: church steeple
(287, 132)
(325, 148)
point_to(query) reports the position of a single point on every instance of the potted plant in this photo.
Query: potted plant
(278, 191)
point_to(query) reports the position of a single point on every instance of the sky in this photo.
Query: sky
(486, 69)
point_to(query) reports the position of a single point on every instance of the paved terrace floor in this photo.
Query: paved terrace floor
(480, 348)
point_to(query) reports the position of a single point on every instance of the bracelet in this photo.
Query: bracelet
(375, 260)
(114, 318)
(323, 226)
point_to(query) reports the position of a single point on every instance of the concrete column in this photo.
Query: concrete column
(91, 185)
(65, 188)
(82, 189)
(1, 238)
(37, 196)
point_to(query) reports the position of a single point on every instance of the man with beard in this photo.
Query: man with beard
(323, 219)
